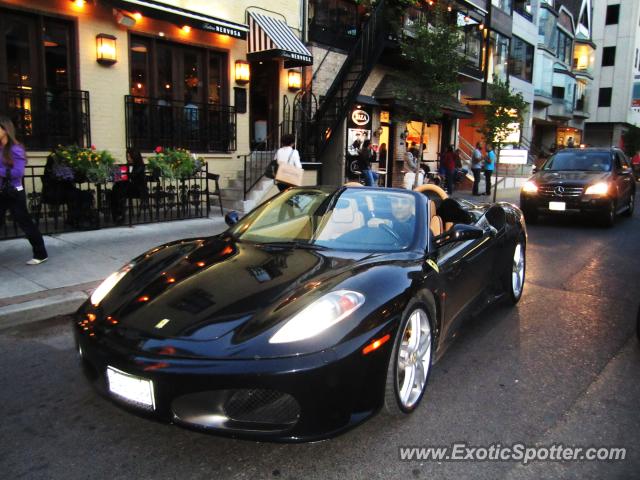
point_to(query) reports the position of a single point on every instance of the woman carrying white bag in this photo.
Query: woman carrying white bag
(289, 167)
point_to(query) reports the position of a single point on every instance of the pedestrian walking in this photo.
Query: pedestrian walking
(489, 167)
(476, 167)
(12, 194)
(287, 154)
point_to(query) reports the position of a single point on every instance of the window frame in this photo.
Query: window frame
(606, 56)
(527, 63)
(177, 50)
(608, 18)
(607, 91)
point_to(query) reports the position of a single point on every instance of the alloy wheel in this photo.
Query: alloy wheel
(414, 359)
(517, 271)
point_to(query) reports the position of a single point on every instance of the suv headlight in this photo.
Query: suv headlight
(530, 187)
(600, 188)
(105, 287)
(319, 316)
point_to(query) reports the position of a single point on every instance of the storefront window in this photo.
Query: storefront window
(498, 56)
(139, 67)
(521, 59)
(471, 45)
(36, 51)
(180, 74)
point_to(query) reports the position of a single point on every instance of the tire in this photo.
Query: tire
(403, 395)
(513, 278)
(609, 217)
(631, 205)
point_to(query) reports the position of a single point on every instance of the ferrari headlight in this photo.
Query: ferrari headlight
(600, 188)
(530, 187)
(105, 287)
(320, 315)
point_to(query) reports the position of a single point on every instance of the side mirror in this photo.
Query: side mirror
(460, 232)
(232, 218)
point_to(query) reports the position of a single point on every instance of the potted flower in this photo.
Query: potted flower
(87, 164)
(174, 163)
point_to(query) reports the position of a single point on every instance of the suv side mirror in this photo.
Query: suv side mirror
(460, 232)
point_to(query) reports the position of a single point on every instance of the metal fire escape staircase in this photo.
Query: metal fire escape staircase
(348, 82)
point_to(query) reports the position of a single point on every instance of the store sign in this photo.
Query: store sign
(635, 95)
(514, 157)
(360, 118)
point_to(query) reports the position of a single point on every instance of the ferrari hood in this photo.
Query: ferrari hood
(204, 289)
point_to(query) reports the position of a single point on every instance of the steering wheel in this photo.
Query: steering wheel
(430, 187)
(390, 231)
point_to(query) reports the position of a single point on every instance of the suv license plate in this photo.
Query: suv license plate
(560, 206)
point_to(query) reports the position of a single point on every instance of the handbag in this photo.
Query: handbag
(271, 170)
(289, 174)
(8, 191)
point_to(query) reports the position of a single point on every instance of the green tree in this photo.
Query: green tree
(431, 49)
(503, 116)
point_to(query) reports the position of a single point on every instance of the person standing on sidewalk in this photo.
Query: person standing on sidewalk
(489, 167)
(365, 157)
(12, 195)
(449, 168)
(476, 167)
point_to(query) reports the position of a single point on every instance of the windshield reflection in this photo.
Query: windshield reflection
(346, 219)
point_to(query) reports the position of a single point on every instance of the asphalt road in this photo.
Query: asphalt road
(561, 367)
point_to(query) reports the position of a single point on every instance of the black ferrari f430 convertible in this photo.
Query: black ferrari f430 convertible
(317, 309)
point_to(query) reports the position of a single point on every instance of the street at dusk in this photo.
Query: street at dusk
(563, 366)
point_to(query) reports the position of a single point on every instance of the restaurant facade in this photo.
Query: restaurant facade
(211, 77)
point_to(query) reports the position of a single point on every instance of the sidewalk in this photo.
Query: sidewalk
(78, 262)
(511, 195)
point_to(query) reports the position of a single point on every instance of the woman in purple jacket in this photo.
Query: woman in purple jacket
(13, 159)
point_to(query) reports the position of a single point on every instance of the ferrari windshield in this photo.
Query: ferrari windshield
(582, 160)
(346, 219)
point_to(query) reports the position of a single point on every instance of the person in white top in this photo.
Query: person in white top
(287, 154)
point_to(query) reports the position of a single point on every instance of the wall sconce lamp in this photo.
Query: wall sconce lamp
(106, 49)
(242, 72)
(294, 80)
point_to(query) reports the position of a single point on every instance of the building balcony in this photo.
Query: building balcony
(560, 110)
(542, 99)
(45, 118)
(199, 127)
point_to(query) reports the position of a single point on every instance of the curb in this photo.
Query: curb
(40, 309)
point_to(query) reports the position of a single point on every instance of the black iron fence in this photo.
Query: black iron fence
(59, 207)
(199, 127)
(45, 118)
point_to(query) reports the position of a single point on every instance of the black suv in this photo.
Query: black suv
(594, 181)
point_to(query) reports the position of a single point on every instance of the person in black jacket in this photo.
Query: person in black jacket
(365, 157)
(134, 187)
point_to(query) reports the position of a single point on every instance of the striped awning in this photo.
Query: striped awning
(272, 38)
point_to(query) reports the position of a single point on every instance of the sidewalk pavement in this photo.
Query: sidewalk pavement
(511, 195)
(78, 262)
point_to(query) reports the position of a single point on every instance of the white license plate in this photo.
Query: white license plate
(135, 390)
(560, 206)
